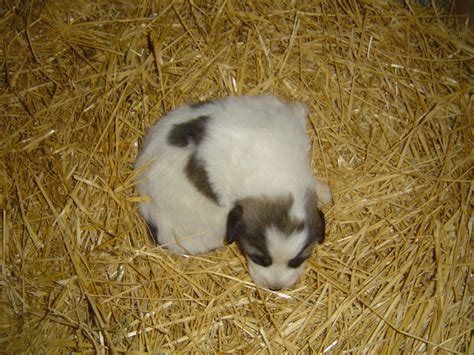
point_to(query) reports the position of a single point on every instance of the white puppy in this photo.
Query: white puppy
(235, 169)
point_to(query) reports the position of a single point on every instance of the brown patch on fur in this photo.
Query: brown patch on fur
(184, 133)
(261, 213)
(197, 175)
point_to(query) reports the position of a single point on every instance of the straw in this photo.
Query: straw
(389, 86)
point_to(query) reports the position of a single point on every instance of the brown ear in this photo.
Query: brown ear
(317, 226)
(316, 222)
(235, 224)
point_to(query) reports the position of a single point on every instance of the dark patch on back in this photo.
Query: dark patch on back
(196, 173)
(182, 134)
(153, 231)
(201, 104)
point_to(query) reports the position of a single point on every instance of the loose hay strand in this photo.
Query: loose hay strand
(389, 86)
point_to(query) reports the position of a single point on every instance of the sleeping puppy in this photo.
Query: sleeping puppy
(235, 170)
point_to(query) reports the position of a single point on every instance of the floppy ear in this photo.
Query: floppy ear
(235, 224)
(317, 226)
(316, 222)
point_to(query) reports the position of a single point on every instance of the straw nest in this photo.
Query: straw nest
(389, 85)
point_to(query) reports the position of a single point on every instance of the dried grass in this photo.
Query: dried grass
(390, 89)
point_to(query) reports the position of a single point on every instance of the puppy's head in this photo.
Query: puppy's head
(275, 240)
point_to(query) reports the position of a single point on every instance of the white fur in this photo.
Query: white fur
(254, 146)
(188, 222)
(257, 146)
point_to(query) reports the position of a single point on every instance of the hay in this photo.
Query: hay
(390, 90)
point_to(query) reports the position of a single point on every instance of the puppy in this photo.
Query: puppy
(235, 170)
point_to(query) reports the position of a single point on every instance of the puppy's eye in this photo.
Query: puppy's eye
(262, 260)
(296, 262)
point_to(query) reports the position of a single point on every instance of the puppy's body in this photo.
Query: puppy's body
(187, 221)
(240, 156)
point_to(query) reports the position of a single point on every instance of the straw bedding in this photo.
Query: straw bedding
(389, 85)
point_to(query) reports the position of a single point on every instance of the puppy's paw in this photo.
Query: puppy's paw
(324, 193)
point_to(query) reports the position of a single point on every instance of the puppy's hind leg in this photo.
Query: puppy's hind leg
(153, 231)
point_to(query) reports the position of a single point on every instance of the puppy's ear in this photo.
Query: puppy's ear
(235, 224)
(316, 222)
(317, 226)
